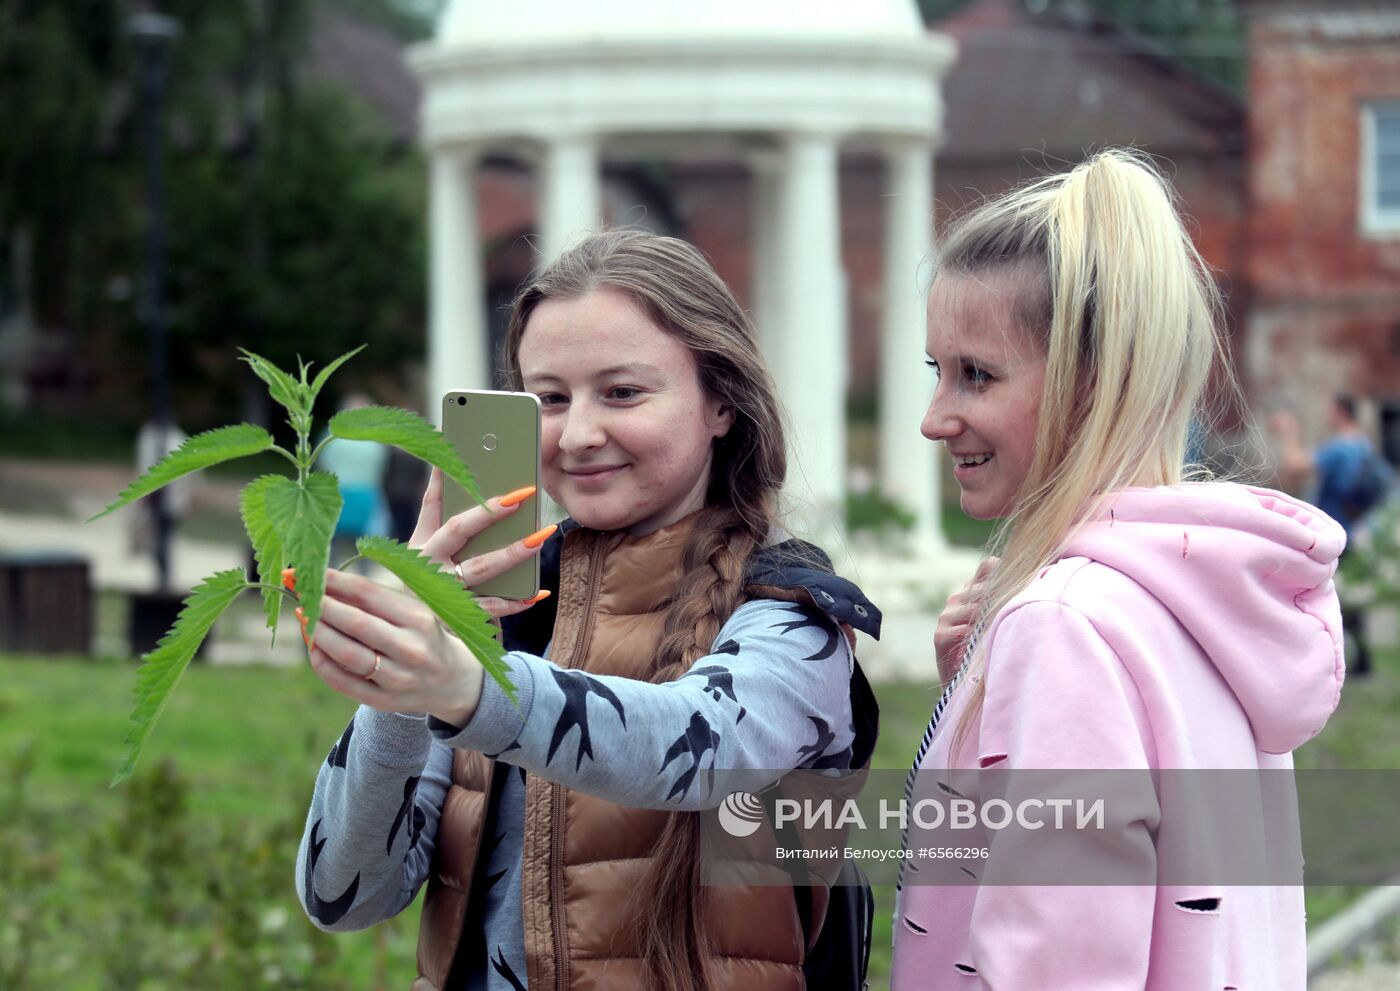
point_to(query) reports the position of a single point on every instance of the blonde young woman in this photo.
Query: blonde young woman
(1133, 621)
(559, 837)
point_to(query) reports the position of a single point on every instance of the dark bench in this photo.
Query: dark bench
(46, 604)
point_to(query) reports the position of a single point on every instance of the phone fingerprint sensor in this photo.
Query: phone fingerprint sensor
(488, 442)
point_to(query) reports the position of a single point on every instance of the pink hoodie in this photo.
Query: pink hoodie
(1194, 626)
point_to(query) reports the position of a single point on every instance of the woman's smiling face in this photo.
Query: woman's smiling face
(627, 429)
(991, 373)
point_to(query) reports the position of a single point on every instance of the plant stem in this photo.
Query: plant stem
(279, 588)
(286, 454)
(317, 453)
(303, 461)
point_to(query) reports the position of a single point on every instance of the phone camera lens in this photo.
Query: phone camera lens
(461, 400)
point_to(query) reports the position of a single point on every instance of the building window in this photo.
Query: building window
(1380, 168)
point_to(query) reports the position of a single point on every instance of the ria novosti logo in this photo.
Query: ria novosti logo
(741, 814)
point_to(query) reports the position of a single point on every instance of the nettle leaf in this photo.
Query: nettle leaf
(329, 370)
(265, 534)
(444, 595)
(199, 451)
(287, 391)
(306, 520)
(162, 667)
(412, 433)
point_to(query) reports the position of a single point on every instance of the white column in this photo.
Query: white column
(457, 336)
(572, 192)
(766, 186)
(908, 462)
(812, 370)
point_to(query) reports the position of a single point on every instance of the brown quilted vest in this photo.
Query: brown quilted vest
(585, 858)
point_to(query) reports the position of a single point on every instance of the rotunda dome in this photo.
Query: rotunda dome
(526, 22)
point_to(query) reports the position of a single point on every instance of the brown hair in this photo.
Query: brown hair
(676, 287)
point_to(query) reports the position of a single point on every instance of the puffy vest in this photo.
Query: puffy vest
(585, 859)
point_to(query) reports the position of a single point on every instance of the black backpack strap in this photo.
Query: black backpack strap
(840, 957)
(865, 714)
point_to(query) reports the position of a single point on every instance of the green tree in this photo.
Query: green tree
(293, 221)
(319, 246)
(1206, 35)
(62, 184)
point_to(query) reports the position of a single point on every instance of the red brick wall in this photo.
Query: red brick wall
(1327, 296)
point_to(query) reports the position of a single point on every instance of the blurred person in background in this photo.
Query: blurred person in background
(360, 466)
(153, 444)
(1346, 478)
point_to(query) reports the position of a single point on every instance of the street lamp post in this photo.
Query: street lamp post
(153, 33)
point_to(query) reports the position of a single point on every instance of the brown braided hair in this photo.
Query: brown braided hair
(679, 290)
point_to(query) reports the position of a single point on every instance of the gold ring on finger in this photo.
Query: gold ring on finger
(378, 661)
(460, 577)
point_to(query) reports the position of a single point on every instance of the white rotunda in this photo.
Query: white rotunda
(784, 87)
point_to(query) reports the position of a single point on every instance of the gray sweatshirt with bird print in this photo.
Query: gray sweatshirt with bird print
(773, 693)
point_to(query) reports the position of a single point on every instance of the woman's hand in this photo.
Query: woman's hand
(386, 649)
(956, 621)
(444, 542)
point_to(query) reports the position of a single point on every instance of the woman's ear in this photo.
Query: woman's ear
(718, 418)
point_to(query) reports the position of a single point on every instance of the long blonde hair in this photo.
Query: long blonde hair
(674, 284)
(1128, 317)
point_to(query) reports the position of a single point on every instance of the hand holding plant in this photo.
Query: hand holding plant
(290, 522)
(387, 649)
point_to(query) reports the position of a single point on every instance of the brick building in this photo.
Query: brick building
(1324, 187)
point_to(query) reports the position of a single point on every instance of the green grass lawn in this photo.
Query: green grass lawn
(244, 745)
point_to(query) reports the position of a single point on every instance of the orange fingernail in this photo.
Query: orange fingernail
(540, 536)
(517, 497)
(289, 578)
(539, 596)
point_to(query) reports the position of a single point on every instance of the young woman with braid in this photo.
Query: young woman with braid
(559, 837)
(1133, 620)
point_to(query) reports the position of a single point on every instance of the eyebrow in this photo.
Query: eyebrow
(628, 368)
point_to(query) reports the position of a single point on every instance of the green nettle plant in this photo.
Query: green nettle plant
(290, 522)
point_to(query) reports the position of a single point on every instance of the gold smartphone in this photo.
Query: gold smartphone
(498, 435)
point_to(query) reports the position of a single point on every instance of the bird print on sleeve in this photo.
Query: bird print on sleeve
(577, 686)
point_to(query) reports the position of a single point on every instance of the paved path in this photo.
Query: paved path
(79, 490)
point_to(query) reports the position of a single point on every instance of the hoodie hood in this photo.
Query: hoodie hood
(1248, 573)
